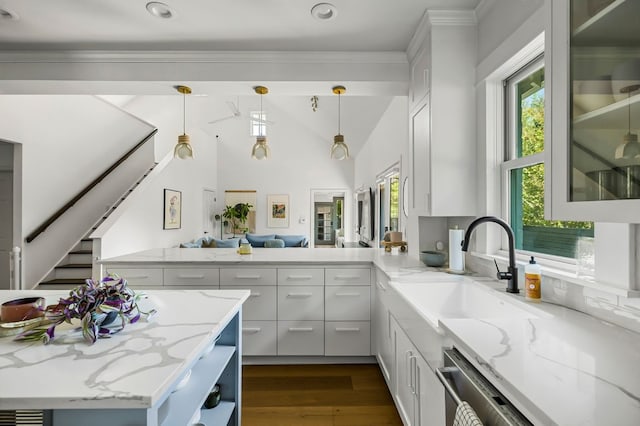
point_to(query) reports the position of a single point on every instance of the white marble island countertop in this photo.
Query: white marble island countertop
(132, 369)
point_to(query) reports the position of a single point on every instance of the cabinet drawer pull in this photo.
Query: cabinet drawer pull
(251, 329)
(299, 295)
(347, 277)
(137, 277)
(255, 294)
(295, 329)
(248, 277)
(347, 328)
(192, 277)
(347, 294)
(299, 277)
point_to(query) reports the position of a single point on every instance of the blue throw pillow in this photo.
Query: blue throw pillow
(258, 240)
(275, 243)
(190, 245)
(230, 243)
(293, 240)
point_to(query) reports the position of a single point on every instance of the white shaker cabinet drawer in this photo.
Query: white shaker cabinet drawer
(301, 302)
(261, 304)
(192, 277)
(242, 277)
(348, 276)
(259, 337)
(300, 276)
(347, 338)
(138, 277)
(300, 338)
(347, 303)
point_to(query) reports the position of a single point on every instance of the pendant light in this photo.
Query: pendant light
(339, 150)
(629, 148)
(260, 149)
(183, 149)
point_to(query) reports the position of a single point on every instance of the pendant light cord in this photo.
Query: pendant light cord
(260, 117)
(184, 113)
(338, 112)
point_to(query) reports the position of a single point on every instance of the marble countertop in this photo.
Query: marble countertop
(132, 369)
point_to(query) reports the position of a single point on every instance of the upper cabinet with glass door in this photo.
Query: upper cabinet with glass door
(595, 110)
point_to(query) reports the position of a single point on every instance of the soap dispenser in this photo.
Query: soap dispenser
(532, 278)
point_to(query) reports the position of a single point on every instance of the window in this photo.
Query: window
(388, 184)
(257, 123)
(523, 169)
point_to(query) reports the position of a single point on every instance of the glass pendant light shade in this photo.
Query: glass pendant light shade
(629, 148)
(183, 149)
(339, 149)
(261, 150)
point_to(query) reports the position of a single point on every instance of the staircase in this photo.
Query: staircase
(77, 265)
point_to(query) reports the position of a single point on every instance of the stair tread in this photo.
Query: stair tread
(74, 281)
(81, 252)
(75, 265)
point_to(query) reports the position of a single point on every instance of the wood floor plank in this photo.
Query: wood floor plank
(316, 395)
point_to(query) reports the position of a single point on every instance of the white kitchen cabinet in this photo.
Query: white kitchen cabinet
(382, 334)
(418, 394)
(138, 277)
(192, 277)
(347, 338)
(259, 337)
(442, 115)
(593, 98)
(300, 338)
(301, 302)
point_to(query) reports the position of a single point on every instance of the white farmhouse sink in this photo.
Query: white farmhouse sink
(463, 299)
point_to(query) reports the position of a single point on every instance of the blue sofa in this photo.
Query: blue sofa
(256, 240)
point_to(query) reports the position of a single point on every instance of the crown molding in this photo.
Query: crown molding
(88, 56)
(452, 17)
(434, 18)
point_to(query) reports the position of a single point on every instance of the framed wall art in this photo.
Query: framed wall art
(172, 209)
(278, 211)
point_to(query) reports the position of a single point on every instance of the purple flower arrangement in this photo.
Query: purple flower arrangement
(103, 308)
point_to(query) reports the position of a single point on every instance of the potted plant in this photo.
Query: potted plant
(237, 216)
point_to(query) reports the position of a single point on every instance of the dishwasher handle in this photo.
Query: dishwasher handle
(444, 375)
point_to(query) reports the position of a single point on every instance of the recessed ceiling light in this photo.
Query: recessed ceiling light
(159, 10)
(324, 11)
(5, 14)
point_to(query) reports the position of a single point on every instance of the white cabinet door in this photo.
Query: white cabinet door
(300, 338)
(138, 277)
(383, 336)
(430, 403)
(192, 277)
(261, 304)
(347, 338)
(259, 337)
(404, 372)
(347, 303)
(420, 161)
(301, 302)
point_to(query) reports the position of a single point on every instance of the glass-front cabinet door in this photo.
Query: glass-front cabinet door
(595, 110)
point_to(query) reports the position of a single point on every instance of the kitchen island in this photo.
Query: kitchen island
(154, 372)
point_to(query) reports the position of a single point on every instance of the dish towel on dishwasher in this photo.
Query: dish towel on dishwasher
(465, 416)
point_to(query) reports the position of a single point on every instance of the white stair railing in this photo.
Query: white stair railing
(16, 262)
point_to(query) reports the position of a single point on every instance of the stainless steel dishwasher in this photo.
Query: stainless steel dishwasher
(463, 382)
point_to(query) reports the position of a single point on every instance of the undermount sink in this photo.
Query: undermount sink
(463, 299)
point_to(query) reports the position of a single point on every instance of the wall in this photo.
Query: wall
(387, 145)
(140, 225)
(299, 163)
(59, 157)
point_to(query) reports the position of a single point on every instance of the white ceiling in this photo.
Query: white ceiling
(223, 25)
(360, 25)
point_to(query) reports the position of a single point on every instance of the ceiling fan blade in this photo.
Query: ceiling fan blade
(222, 119)
(234, 108)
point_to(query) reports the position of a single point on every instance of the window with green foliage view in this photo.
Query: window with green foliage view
(524, 170)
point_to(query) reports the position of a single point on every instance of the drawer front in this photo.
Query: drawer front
(138, 277)
(197, 277)
(288, 276)
(347, 338)
(261, 305)
(300, 338)
(301, 302)
(243, 277)
(347, 303)
(348, 276)
(259, 337)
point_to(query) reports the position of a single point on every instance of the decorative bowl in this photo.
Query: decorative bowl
(432, 258)
(22, 309)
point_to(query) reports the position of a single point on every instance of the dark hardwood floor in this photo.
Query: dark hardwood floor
(316, 395)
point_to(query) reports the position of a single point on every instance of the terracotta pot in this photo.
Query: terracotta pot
(22, 309)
